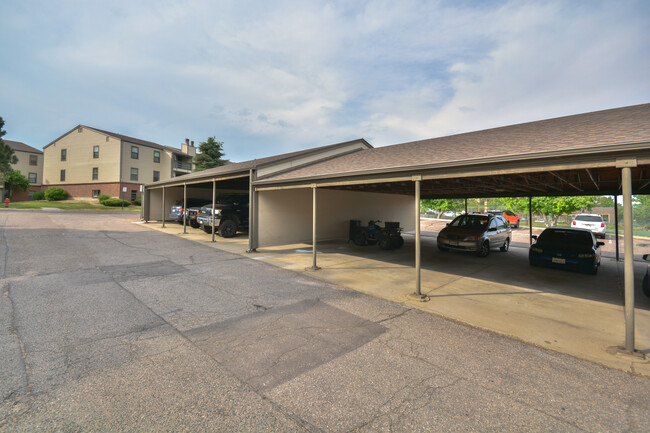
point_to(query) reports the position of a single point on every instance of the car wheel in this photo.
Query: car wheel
(207, 229)
(646, 285)
(506, 246)
(593, 270)
(227, 229)
(443, 249)
(399, 242)
(359, 238)
(194, 224)
(485, 249)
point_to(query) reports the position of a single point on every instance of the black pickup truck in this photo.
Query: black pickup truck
(229, 218)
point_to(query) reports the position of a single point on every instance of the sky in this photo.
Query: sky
(269, 77)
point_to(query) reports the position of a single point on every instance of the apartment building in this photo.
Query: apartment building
(87, 162)
(30, 165)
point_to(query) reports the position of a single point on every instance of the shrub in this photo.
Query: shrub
(103, 197)
(115, 202)
(38, 195)
(55, 193)
(138, 200)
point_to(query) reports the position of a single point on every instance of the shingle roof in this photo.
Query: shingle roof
(582, 131)
(243, 167)
(21, 147)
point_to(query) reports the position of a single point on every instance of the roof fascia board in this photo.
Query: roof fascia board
(194, 182)
(604, 150)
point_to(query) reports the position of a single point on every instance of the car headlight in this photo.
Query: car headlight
(472, 238)
(536, 250)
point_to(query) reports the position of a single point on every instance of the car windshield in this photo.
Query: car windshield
(589, 218)
(566, 237)
(510, 213)
(470, 221)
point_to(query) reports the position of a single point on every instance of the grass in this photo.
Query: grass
(67, 205)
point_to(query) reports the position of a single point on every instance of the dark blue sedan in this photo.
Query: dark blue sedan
(568, 248)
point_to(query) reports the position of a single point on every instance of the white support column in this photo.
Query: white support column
(313, 234)
(252, 219)
(162, 214)
(418, 292)
(184, 208)
(626, 175)
(214, 199)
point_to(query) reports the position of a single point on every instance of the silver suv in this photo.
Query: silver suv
(592, 222)
(477, 233)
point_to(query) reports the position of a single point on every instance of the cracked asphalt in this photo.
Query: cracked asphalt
(108, 326)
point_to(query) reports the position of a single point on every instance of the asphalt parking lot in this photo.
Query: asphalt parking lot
(110, 326)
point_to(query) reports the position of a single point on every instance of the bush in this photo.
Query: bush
(38, 195)
(138, 200)
(55, 193)
(115, 202)
(103, 197)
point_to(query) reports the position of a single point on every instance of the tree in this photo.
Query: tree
(552, 207)
(15, 180)
(210, 155)
(7, 156)
(441, 205)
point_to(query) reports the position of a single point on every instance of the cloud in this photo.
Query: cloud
(268, 77)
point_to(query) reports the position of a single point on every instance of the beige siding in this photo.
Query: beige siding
(79, 158)
(285, 216)
(24, 167)
(145, 163)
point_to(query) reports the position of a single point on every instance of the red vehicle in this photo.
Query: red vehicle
(509, 215)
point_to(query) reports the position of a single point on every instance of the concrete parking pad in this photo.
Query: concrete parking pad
(580, 315)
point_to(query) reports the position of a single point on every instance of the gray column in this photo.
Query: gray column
(616, 224)
(530, 220)
(251, 212)
(214, 199)
(465, 206)
(313, 234)
(418, 291)
(628, 260)
(162, 215)
(184, 208)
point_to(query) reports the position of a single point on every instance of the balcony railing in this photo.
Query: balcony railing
(182, 165)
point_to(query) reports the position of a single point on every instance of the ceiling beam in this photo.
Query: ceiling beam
(566, 181)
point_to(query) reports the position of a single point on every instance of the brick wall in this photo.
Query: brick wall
(85, 190)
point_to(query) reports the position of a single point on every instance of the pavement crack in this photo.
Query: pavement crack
(395, 316)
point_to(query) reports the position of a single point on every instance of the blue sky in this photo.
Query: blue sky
(273, 77)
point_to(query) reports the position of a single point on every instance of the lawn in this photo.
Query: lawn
(67, 205)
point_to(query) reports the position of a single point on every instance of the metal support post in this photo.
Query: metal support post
(465, 206)
(530, 220)
(313, 234)
(162, 215)
(417, 295)
(252, 220)
(616, 225)
(214, 199)
(184, 208)
(628, 260)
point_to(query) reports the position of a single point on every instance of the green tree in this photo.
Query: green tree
(552, 207)
(442, 205)
(15, 180)
(7, 156)
(210, 155)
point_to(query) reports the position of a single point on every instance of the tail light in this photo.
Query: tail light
(574, 222)
(602, 225)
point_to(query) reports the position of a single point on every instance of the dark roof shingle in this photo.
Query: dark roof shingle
(21, 147)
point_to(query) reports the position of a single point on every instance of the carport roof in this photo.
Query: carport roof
(243, 168)
(582, 134)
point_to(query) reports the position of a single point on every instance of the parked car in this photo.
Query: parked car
(191, 213)
(592, 222)
(509, 215)
(646, 279)
(568, 248)
(229, 218)
(477, 233)
(177, 210)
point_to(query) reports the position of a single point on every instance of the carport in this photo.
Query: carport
(233, 178)
(600, 153)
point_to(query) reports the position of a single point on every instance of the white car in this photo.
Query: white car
(592, 222)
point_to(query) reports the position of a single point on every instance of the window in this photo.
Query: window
(156, 156)
(134, 174)
(134, 194)
(64, 154)
(33, 159)
(134, 152)
(62, 178)
(96, 193)
(95, 173)
(156, 176)
(95, 151)
(31, 195)
(32, 177)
